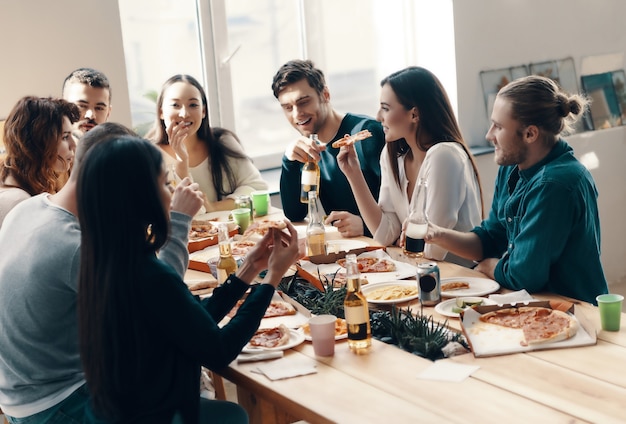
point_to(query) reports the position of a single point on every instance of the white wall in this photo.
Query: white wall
(43, 41)
(492, 34)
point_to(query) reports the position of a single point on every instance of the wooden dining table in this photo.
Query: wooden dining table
(568, 385)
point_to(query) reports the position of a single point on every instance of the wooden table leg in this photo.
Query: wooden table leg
(260, 411)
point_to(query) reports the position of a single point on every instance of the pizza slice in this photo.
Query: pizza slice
(368, 264)
(200, 231)
(262, 227)
(242, 247)
(276, 308)
(539, 325)
(348, 139)
(270, 338)
(455, 285)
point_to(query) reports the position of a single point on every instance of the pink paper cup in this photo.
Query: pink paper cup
(322, 329)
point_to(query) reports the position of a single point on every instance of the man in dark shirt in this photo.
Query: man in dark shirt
(305, 99)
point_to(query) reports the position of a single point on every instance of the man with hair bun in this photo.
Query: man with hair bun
(543, 231)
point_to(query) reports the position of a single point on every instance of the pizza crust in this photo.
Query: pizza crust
(455, 285)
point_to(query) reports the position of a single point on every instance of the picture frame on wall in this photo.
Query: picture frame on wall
(563, 72)
(619, 84)
(604, 109)
(548, 69)
(493, 80)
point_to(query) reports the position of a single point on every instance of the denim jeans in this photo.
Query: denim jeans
(70, 411)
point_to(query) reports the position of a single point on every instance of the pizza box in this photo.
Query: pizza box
(313, 272)
(199, 260)
(195, 245)
(489, 340)
(335, 256)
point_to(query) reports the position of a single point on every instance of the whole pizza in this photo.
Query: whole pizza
(538, 324)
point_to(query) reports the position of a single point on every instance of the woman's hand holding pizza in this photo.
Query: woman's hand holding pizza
(348, 161)
(276, 252)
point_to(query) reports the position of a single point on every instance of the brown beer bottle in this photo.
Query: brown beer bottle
(310, 179)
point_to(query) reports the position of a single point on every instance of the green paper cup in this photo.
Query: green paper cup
(242, 217)
(261, 202)
(610, 306)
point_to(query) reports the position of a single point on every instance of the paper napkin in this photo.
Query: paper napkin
(445, 370)
(513, 297)
(261, 356)
(287, 368)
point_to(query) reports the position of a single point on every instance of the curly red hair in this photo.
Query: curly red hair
(31, 138)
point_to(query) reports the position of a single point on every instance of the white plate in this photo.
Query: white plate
(220, 216)
(478, 287)
(403, 270)
(445, 308)
(407, 283)
(334, 246)
(295, 338)
(307, 337)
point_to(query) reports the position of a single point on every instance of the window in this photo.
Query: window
(236, 46)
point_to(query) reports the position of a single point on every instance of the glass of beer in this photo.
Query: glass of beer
(414, 239)
(417, 224)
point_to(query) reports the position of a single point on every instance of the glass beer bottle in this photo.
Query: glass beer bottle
(226, 264)
(310, 179)
(417, 225)
(315, 231)
(356, 311)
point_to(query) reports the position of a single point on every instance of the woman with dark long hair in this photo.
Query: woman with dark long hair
(39, 149)
(143, 336)
(212, 156)
(423, 142)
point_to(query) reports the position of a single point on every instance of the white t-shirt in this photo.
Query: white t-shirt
(247, 176)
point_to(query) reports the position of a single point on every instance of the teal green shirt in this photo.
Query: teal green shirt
(544, 226)
(335, 191)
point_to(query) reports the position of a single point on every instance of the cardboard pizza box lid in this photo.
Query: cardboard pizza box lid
(195, 245)
(335, 256)
(489, 340)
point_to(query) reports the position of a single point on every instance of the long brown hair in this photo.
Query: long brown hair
(120, 224)
(218, 151)
(31, 139)
(417, 87)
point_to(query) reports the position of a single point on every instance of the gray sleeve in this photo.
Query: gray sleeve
(174, 252)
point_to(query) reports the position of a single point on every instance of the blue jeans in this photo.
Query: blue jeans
(70, 411)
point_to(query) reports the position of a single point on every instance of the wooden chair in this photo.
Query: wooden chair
(216, 381)
(218, 385)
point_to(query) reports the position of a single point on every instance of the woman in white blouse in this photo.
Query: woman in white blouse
(212, 157)
(423, 142)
